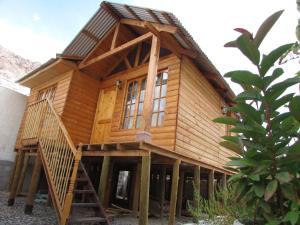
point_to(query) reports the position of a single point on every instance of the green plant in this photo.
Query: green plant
(267, 133)
(222, 209)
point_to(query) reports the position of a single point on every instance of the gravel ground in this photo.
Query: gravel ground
(43, 215)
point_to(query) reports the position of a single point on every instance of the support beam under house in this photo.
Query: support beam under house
(174, 189)
(104, 178)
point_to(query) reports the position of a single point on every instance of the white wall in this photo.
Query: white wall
(12, 106)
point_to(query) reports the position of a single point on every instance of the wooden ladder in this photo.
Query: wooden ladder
(86, 206)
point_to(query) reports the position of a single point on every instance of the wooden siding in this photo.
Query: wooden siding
(163, 136)
(199, 103)
(79, 111)
(62, 83)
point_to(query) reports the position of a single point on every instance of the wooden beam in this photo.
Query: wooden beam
(162, 184)
(121, 153)
(174, 189)
(115, 37)
(197, 181)
(70, 57)
(142, 24)
(98, 44)
(13, 192)
(90, 35)
(33, 184)
(103, 178)
(224, 181)
(146, 57)
(152, 29)
(136, 194)
(211, 180)
(152, 72)
(144, 190)
(117, 49)
(127, 63)
(180, 193)
(23, 174)
(138, 54)
(12, 173)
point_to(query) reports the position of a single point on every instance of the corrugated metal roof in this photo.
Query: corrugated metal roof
(103, 20)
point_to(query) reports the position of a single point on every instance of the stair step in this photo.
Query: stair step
(83, 204)
(86, 220)
(82, 179)
(83, 191)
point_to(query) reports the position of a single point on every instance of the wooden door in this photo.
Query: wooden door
(104, 114)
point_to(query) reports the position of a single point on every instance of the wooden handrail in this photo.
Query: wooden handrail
(59, 155)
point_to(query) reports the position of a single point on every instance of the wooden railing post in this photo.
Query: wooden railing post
(69, 196)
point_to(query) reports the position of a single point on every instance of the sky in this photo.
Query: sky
(37, 29)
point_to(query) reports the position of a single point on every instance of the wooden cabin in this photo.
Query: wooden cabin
(127, 110)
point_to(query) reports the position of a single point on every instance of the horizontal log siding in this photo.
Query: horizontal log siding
(199, 103)
(80, 108)
(162, 136)
(62, 83)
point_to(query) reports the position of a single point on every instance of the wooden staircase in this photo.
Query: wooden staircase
(71, 190)
(86, 207)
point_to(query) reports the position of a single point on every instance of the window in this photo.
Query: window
(134, 102)
(130, 105)
(47, 93)
(159, 99)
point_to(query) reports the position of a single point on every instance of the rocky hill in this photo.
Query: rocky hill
(12, 68)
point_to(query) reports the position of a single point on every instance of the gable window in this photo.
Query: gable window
(134, 102)
(159, 99)
(48, 92)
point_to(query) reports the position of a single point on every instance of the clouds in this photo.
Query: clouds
(36, 17)
(35, 45)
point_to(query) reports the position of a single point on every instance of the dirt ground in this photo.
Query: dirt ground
(43, 215)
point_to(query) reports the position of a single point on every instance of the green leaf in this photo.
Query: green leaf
(270, 189)
(248, 111)
(266, 27)
(248, 95)
(284, 177)
(259, 190)
(254, 177)
(241, 163)
(232, 146)
(282, 101)
(231, 44)
(289, 192)
(248, 48)
(226, 120)
(265, 206)
(269, 60)
(234, 139)
(269, 79)
(292, 217)
(295, 107)
(245, 77)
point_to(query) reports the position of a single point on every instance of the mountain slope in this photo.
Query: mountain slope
(12, 68)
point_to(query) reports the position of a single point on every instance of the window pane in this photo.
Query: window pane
(132, 109)
(154, 119)
(143, 84)
(140, 109)
(161, 119)
(162, 104)
(138, 122)
(142, 96)
(155, 105)
(165, 77)
(164, 90)
(157, 92)
(125, 125)
(127, 111)
(158, 79)
(130, 124)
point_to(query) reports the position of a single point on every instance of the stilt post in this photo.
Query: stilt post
(33, 184)
(162, 181)
(211, 188)
(136, 194)
(13, 192)
(144, 190)
(180, 193)
(104, 178)
(175, 178)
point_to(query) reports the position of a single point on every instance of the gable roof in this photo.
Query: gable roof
(110, 13)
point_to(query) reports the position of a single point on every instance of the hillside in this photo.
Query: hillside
(12, 68)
